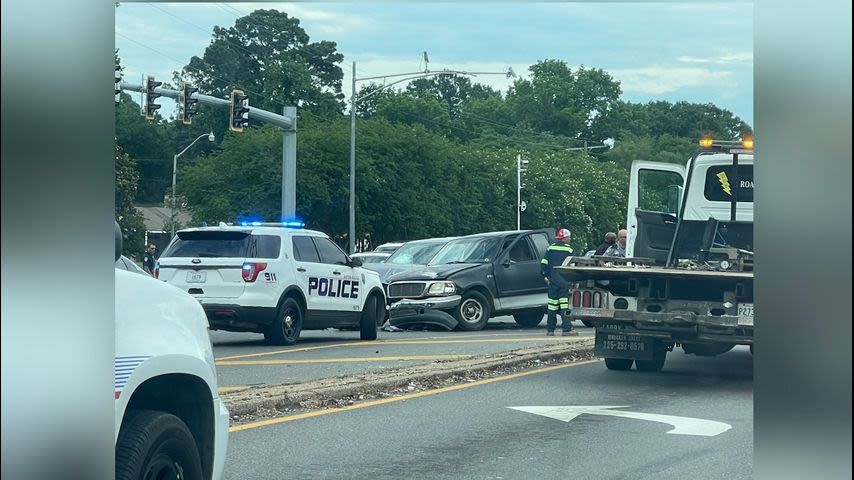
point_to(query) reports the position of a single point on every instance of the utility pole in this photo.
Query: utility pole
(521, 166)
(353, 102)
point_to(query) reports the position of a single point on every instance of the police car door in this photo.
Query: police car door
(308, 269)
(341, 288)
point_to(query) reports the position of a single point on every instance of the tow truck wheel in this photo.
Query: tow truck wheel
(657, 362)
(154, 444)
(368, 320)
(473, 312)
(286, 328)
(619, 363)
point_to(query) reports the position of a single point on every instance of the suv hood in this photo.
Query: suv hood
(386, 270)
(436, 272)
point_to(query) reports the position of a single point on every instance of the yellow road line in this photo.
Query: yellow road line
(395, 342)
(382, 401)
(341, 360)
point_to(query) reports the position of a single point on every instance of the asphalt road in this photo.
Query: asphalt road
(470, 433)
(244, 359)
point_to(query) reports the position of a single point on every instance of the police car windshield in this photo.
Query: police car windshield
(414, 253)
(467, 250)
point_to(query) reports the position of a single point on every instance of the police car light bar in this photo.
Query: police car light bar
(287, 224)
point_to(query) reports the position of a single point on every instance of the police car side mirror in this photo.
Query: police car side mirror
(355, 262)
(118, 242)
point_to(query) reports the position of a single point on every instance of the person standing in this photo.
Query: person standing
(610, 239)
(618, 249)
(558, 297)
(148, 259)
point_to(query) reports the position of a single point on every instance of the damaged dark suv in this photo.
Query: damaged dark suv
(473, 279)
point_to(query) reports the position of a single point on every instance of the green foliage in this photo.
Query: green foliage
(129, 218)
(436, 158)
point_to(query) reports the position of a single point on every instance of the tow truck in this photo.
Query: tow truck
(687, 278)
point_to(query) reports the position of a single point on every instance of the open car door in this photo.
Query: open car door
(655, 195)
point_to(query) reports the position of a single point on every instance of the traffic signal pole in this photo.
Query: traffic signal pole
(287, 122)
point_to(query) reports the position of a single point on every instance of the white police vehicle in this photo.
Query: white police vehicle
(170, 421)
(273, 278)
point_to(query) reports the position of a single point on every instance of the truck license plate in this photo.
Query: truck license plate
(614, 344)
(745, 314)
(196, 277)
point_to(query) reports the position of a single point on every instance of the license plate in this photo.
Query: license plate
(613, 344)
(196, 277)
(745, 314)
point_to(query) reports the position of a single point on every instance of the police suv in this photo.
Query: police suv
(170, 421)
(273, 278)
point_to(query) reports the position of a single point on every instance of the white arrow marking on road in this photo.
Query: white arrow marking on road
(681, 425)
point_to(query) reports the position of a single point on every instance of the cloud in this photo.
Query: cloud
(657, 80)
(743, 58)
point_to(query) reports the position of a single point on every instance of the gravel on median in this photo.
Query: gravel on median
(271, 401)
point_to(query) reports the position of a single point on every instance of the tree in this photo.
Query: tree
(130, 220)
(453, 91)
(269, 55)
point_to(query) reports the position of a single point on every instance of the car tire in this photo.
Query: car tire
(473, 312)
(587, 323)
(286, 328)
(619, 363)
(529, 319)
(155, 444)
(368, 320)
(659, 355)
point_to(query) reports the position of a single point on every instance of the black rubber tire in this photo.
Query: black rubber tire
(529, 319)
(473, 312)
(659, 355)
(587, 323)
(619, 363)
(152, 442)
(368, 320)
(282, 331)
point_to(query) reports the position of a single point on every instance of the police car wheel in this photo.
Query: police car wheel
(287, 326)
(368, 320)
(154, 444)
(473, 312)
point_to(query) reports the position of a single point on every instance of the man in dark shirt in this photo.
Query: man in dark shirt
(610, 238)
(148, 259)
(558, 295)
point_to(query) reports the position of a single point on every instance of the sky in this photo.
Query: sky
(696, 52)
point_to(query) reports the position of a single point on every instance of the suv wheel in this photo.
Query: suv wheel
(155, 444)
(286, 328)
(368, 320)
(473, 312)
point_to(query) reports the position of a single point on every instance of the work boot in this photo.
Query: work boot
(550, 333)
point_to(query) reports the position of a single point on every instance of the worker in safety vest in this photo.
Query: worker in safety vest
(558, 286)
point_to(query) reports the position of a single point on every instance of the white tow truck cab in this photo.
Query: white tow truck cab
(170, 421)
(687, 278)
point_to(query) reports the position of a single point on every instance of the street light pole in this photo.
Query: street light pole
(518, 192)
(353, 164)
(409, 76)
(175, 172)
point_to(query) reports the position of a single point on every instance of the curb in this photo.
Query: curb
(271, 400)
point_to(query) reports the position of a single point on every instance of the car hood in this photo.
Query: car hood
(386, 270)
(435, 272)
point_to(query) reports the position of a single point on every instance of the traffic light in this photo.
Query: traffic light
(239, 111)
(150, 97)
(118, 83)
(188, 104)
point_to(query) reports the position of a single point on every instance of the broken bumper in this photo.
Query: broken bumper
(432, 311)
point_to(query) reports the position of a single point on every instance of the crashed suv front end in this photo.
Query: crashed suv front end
(423, 301)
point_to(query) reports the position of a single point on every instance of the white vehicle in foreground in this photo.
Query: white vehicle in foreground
(170, 421)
